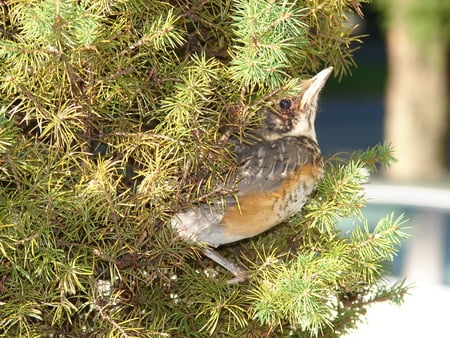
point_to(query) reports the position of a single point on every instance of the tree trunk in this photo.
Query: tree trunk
(416, 107)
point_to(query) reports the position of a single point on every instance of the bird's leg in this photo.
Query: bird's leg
(240, 274)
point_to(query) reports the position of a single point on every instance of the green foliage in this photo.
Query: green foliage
(273, 39)
(114, 114)
(423, 17)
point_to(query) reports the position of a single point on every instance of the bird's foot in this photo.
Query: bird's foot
(240, 274)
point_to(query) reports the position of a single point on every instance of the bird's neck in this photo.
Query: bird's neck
(270, 136)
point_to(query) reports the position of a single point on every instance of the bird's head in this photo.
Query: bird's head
(294, 116)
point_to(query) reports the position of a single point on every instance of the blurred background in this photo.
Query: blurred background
(399, 94)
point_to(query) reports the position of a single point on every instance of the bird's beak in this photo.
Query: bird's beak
(314, 86)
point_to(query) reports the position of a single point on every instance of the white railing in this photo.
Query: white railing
(408, 195)
(424, 257)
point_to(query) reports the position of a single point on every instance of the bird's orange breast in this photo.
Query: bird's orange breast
(259, 211)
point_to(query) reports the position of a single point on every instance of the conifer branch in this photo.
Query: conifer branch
(114, 115)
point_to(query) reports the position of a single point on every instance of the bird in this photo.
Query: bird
(276, 174)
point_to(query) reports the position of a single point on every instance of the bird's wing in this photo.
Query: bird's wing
(264, 164)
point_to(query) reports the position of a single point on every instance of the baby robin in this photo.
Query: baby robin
(275, 176)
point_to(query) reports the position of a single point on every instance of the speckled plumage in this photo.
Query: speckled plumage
(277, 172)
(275, 179)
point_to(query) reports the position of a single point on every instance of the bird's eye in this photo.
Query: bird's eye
(285, 104)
